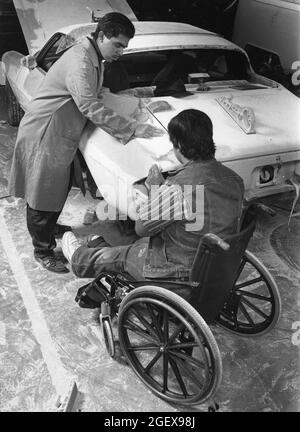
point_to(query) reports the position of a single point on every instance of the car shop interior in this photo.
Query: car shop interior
(56, 357)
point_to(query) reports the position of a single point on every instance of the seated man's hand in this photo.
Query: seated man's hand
(155, 177)
(147, 131)
(144, 92)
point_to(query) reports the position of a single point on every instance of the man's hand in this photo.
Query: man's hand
(155, 177)
(147, 131)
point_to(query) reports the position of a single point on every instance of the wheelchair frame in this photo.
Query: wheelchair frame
(163, 336)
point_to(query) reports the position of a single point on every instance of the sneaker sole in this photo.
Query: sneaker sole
(53, 271)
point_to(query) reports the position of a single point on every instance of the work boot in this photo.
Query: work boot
(59, 230)
(52, 263)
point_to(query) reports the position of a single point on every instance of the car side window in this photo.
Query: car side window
(51, 52)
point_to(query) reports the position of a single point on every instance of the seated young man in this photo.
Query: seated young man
(201, 196)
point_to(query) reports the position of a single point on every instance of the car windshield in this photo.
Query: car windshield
(159, 67)
(156, 67)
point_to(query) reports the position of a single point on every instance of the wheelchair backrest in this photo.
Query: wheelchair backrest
(215, 270)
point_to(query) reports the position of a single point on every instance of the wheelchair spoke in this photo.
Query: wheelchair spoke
(184, 345)
(187, 358)
(241, 268)
(178, 376)
(166, 327)
(155, 321)
(153, 361)
(256, 296)
(165, 372)
(194, 377)
(144, 322)
(245, 313)
(255, 308)
(129, 325)
(147, 347)
(249, 282)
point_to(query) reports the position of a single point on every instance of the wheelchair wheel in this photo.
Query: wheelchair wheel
(254, 305)
(108, 337)
(169, 346)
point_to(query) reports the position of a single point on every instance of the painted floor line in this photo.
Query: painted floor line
(59, 376)
(2, 334)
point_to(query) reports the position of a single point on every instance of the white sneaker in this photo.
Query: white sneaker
(93, 237)
(69, 244)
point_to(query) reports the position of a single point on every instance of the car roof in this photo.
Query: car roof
(150, 27)
(160, 35)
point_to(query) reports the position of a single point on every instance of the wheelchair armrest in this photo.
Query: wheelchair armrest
(266, 209)
(254, 205)
(213, 239)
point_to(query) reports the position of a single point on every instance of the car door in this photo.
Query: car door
(27, 77)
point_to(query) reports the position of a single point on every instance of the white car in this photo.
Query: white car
(256, 120)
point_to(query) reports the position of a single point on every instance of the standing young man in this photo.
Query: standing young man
(44, 163)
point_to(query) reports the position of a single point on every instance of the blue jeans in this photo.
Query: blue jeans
(129, 259)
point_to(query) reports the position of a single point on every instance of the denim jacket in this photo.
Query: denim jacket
(217, 196)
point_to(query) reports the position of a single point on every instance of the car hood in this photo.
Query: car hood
(41, 19)
(276, 111)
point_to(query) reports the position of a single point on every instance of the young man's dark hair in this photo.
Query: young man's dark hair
(114, 23)
(191, 131)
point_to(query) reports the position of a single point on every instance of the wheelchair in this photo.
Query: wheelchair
(163, 325)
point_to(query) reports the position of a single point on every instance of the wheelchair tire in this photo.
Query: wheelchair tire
(108, 337)
(169, 346)
(254, 305)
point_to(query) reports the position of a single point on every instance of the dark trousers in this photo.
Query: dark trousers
(40, 225)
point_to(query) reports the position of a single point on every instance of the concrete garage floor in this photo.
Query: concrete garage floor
(47, 340)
